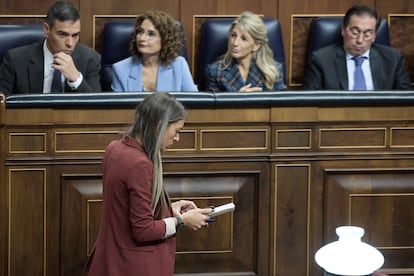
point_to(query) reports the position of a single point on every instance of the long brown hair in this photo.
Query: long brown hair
(152, 118)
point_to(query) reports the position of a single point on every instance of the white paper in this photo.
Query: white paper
(222, 209)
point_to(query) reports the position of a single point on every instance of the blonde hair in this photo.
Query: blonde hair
(253, 24)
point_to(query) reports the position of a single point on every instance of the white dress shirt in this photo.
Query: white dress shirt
(49, 70)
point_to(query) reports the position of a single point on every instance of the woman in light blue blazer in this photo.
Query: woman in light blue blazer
(154, 64)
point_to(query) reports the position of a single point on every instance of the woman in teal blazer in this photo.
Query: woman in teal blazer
(154, 64)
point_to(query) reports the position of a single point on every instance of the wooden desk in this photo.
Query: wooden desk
(296, 165)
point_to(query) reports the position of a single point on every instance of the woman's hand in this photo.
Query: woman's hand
(196, 218)
(182, 206)
(248, 88)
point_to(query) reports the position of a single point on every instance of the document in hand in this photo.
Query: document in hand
(219, 210)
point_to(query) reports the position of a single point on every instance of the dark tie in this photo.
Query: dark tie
(57, 86)
(359, 79)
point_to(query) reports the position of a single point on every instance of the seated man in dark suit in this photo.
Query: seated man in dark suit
(357, 63)
(56, 64)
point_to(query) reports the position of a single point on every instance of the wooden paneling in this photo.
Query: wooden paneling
(291, 209)
(401, 25)
(384, 7)
(27, 231)
(26, 7)
(373, 199)
(243, 139)
(293, 139)
(295, 173)
(228, 240)
(27, 143)
(357, 138)
(84, 141)
(298, 48)
(402, 137)
(22, 19)
(81, 211)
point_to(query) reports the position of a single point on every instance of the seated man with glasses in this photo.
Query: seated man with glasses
(357, 63)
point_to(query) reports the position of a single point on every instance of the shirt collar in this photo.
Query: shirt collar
(48, 56)
(349, 56)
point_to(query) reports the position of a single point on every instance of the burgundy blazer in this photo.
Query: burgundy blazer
(130, 240)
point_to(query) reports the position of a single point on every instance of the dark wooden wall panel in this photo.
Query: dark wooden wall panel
(385, 6)
(27, 221)
(372, 199)
(291, 200)
(81, 210)
(229, 240)
(400, 26)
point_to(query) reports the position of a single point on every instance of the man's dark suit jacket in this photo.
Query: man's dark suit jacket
(22, 69)
(326, 69)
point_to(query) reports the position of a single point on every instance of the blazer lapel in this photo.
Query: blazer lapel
(164, 78)
(36, 69)
(232, 76)
(255, 77)
(134, 83)
(375, 61)
(341, 70)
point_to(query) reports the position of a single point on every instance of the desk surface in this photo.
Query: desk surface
(204, 99)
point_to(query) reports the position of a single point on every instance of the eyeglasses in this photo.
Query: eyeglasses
(354, 32)
(151, 35)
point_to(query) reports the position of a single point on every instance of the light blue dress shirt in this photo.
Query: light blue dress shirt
(366, 69)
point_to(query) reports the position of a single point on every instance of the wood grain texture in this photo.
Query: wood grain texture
(294, 173)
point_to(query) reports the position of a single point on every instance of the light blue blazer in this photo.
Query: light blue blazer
(174, 77)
